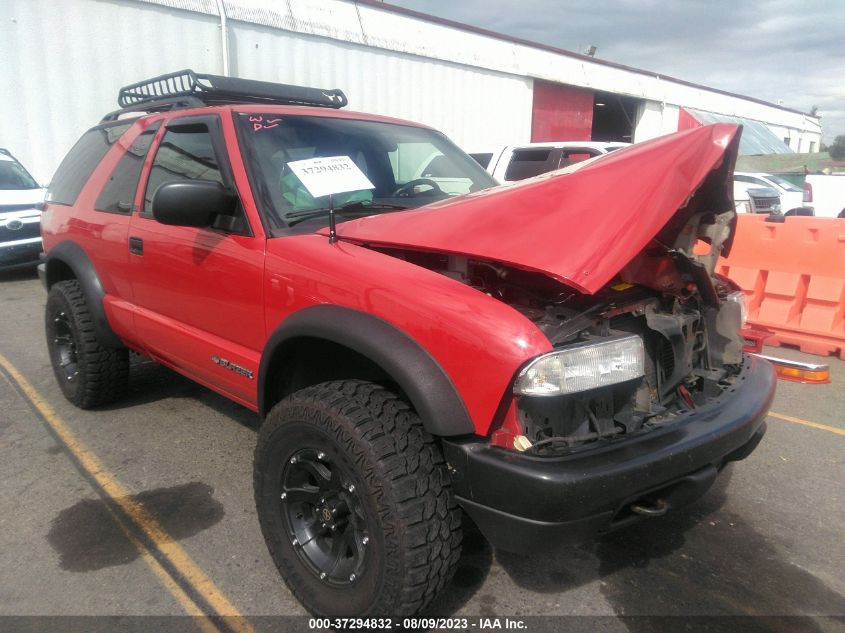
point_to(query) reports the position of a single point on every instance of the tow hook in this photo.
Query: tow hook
(686, 396)
(657, 509)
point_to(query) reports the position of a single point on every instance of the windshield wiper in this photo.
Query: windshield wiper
(307, 214)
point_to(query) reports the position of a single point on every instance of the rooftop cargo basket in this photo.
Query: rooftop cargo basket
(185, 89)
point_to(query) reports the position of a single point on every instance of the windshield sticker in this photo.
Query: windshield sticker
(328, 175)
(260, 123)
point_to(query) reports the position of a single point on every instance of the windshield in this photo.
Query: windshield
(408, 166)
(14, 176)
(785, 184)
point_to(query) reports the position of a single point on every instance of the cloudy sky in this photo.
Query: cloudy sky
(787, 50)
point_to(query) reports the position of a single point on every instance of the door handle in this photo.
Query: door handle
(136, 246)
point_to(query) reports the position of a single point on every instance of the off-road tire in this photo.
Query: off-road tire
(101, 373)
(398, 471)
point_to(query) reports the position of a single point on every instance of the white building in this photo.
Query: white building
(64, 61)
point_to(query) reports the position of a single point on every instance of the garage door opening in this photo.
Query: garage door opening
(614, 117)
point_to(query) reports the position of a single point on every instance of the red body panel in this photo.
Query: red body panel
(198, 293)
(479, 341)
(580, 228)
(103, 236)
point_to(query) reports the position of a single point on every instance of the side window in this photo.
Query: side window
(118, 193)
(576, 155)
(185, 152)
(81, 161)
(529, 162)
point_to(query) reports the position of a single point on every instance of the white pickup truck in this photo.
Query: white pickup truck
(826, 194)
(793, 199)
(517, 162)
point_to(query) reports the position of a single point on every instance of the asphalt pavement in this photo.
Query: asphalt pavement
(144, 509)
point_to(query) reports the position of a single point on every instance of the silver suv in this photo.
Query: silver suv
(21, 201)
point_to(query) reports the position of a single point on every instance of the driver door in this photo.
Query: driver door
(198, 291)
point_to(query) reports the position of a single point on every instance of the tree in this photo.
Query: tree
(837, 148)
(814, 111)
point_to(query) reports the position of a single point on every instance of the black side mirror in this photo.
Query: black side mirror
(192, 202)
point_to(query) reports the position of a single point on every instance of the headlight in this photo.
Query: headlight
(582, 366)
(738, 298)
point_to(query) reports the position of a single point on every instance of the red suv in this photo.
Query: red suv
(554, 358)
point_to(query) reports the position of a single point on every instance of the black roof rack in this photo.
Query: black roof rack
(187, 89)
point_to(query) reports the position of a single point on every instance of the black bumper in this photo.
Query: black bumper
(19, 255)
(525, 503)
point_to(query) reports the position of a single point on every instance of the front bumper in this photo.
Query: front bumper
(23, 252)
(525, 503)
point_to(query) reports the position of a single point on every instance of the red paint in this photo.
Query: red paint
(580, 228)
(561, 113)
(686, 121)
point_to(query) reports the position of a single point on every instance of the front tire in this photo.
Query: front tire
(354, 501)
(89, 374)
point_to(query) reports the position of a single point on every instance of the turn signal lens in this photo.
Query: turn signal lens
(582, 366)
(796, 371)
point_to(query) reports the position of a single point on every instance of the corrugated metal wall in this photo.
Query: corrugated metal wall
(474, 107)
(64, 62)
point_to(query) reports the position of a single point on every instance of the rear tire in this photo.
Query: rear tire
(88, 373)
(349, 462)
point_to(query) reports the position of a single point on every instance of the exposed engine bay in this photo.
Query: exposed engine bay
(668, 295)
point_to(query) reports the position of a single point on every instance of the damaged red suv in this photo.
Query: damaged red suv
(554, 358)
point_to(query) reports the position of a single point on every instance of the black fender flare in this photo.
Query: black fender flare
(73, 256)
(408, 363)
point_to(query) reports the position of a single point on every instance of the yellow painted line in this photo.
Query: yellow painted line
(815, 425)
(149, 526)
(190, 607)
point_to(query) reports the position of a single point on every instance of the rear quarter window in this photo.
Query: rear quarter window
(81, 162)
(118, 193)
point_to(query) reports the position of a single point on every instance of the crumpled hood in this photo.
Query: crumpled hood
(579, 226)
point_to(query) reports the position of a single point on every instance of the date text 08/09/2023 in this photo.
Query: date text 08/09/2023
(479, 624)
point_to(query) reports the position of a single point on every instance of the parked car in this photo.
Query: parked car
(551, 372)
(517, 162)
(793, 200)
(21, 200)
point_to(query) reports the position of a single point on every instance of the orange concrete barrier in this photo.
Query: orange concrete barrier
(793, 274)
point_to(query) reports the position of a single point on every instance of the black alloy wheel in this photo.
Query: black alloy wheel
(65, 347)
(324, 516)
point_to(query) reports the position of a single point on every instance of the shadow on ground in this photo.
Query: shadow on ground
(87, 536)
(700, 561)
